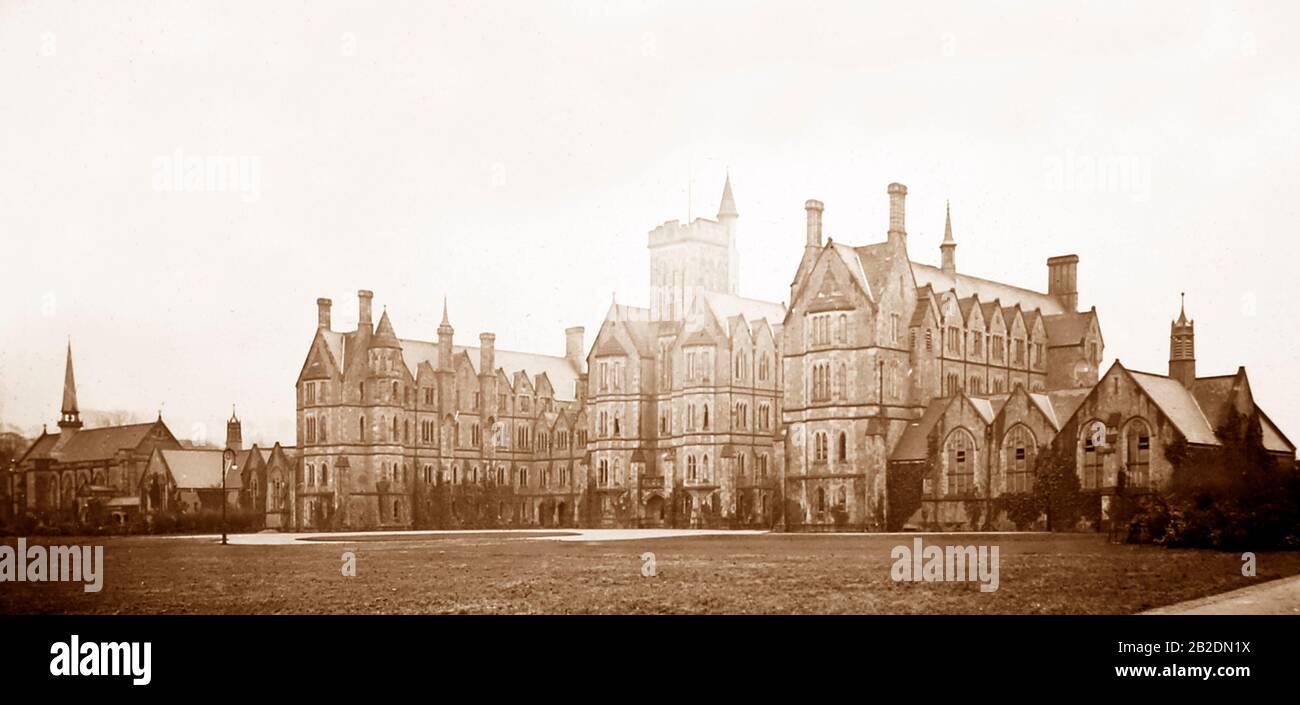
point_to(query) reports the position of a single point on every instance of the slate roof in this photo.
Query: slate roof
(194, 469)
(988, 290)
(914, 443)
(1178, 405)
(90, 443)
(1065, 329)
(725, 306)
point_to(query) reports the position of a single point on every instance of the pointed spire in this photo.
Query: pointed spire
(1182, 308)
(69, 385)
(947, 223)
(948, 248)
(728, 206)
(385, 336)
(69, 414)
(445, 320)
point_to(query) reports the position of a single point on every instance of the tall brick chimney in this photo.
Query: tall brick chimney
(364, 298)
(487, 353)
(573, 348)
(897, 213)
(1062, 280)
(323, 313)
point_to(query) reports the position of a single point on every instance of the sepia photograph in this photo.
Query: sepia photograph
(939, 318)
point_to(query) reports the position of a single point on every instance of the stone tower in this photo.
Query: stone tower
(234, 432)
(687, 259)
(1182, 347)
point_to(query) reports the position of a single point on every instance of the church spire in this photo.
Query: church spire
(69, 414)
(948, 249)
(727, 208)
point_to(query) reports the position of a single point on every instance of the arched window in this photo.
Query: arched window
(704, 467)
(1018, 451)
(819, 447)
(394, 392)
(1092, 460)
(959, 450)
(691, 469)
(311, 475)
(1138, 454)
(706, 417)
(842, 447)
(604, 471)
(821, 499)
(394, 428)
(324, 474)
(361, 427)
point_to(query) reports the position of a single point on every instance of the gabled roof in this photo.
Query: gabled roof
(1066, 401)
(1274, 440)
(725, 306)
(1178, 404)
(90, 443)
(562, 373)
(986, 289)
(194, 469)
(1066, 329)
(914, 443)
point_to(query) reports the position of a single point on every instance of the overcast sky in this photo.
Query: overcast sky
(513, 156)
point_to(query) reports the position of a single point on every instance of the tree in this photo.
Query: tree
(1056, 486)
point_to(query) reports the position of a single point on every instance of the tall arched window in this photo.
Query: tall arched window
(819, 447)
(361, 427)
(1018, 451)
(1092, 461)
(959, 450)
(706, 417)
(691, 469)
(842, 447)
(324, 474)
(1138, 455)
(821, 499)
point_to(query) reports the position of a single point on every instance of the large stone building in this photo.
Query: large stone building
(684, 397)
(967, 451)
(873, 337)
(400, 432)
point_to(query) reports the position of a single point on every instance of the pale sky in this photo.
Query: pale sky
(513, 156)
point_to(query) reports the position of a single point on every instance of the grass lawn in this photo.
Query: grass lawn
(499, 573)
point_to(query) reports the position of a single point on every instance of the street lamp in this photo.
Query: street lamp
(227, 465)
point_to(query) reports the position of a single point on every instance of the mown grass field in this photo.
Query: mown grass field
(503, 573)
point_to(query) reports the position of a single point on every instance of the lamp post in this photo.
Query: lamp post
(227, 464)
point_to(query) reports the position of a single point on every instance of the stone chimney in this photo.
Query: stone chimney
(897, 213)
(364, 297)
(487, 353)
(814, 210)
(323, 313)
(573, 348)
(1062, 280)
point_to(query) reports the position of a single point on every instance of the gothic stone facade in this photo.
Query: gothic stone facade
(872, 337)
(397, 433)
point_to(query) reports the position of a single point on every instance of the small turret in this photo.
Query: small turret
(1182, 347)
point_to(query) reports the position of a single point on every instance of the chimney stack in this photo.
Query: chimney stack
(814, 209)
(1062, 280)
(573, 348)
(364, 297)
(487, 353)
(323, 313)
(897, 213)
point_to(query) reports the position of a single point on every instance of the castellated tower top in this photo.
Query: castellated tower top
(689, 258)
